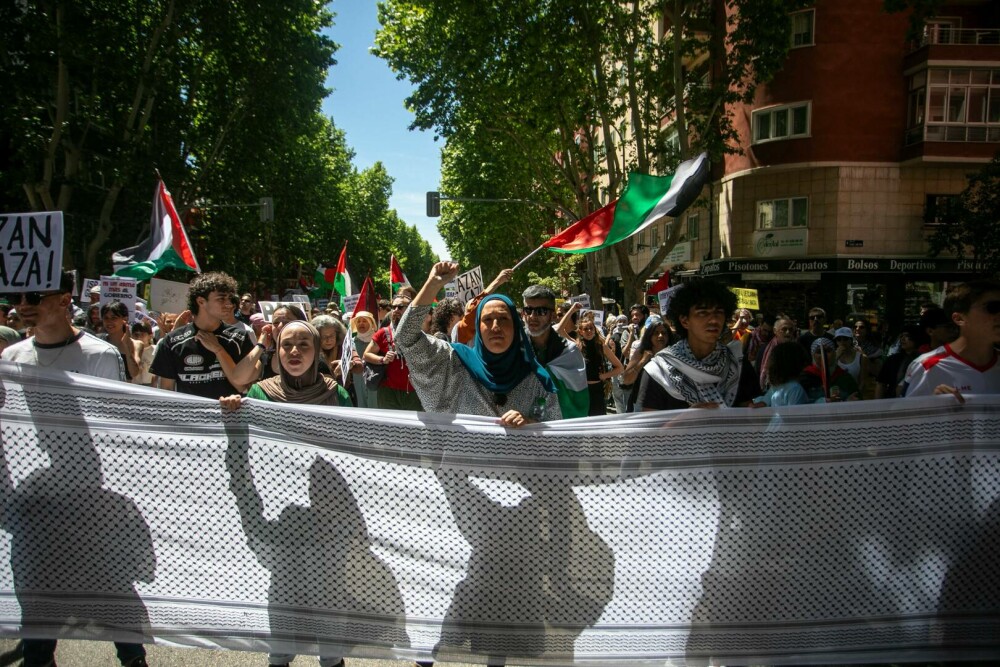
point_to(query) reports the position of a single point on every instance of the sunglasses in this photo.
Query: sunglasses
(541, 311)
(401, 306)
(992, 307)
(31, 298)
(816, 317)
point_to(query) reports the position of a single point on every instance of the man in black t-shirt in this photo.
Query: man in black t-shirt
(182, 361)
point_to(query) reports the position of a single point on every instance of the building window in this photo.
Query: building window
(937, 208)
(784, 122)
(802, 28)
(783, 213)
(694, 225)
(654, 236)
(954, 104)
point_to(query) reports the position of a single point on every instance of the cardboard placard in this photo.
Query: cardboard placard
(664, 297)
(469, 285)
(598, 317)
(31, 249)
(116, 288)
(350, 302)
(582, 299)
(88, 283)
(267, 308)
(168, 296)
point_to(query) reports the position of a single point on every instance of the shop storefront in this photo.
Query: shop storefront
(886, 289)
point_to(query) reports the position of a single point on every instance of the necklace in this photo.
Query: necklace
(62, 348)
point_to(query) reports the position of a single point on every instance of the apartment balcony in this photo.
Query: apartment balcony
(953, 99)
(939, 35)
(978, 45)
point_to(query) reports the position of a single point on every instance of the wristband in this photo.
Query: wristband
(261, 346)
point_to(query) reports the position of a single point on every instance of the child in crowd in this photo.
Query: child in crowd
(784, 366)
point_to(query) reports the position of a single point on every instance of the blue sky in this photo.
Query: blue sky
(367, 103)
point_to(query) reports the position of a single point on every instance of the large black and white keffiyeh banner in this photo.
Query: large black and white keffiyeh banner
(841, 533)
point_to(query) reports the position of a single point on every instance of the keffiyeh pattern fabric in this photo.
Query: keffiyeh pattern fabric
(816, 534)
(714, 379)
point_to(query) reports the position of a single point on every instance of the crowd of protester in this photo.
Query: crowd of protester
(522, 359)
(703, 351)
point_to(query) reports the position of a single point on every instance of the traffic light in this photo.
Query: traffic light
(433, 204)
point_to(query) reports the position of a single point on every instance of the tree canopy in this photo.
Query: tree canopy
(558, 101)
(969, 228)
(223, 98)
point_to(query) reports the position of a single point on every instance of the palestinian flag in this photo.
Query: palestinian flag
(367, 300)
(645, 200)
(569, 373)
(324, 277)
(397, 278)
(342, 279)
(167, 245)
(660, 285)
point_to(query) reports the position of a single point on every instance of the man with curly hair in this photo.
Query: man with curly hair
(699, 371)
(186, 359)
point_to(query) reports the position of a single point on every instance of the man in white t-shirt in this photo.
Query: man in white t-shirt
(968, 365)
(57, 343)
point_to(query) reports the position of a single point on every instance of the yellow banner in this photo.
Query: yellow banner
(745, 298)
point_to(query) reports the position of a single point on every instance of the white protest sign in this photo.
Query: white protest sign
(350, 302)
(469, 285)
(598, 317)
(321, 304)
(450, 290)
(168, 296)
(582, 299)
(142, 311)
(664, 297)
(300, 298)
(267, 308)
(31, 248)
(115, 288)
(88, 283)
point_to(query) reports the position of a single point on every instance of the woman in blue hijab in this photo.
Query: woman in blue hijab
(497, 375)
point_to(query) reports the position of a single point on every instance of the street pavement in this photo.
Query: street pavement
(102, 654)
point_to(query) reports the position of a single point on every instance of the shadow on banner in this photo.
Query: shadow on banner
(328, 590)
(564, 572)
(77, 548)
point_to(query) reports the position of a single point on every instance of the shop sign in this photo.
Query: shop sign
(856, 265)
(680, 253)
(780, 242)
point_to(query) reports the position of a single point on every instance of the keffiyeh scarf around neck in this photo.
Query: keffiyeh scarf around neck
(713, 379)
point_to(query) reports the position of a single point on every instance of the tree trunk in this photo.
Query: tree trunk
(103, 231)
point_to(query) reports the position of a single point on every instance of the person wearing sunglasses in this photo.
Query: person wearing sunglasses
(968, 365)
(561, 357)
(817, 329)
(57, 343)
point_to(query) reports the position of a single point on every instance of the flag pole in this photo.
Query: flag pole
(529, 256)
